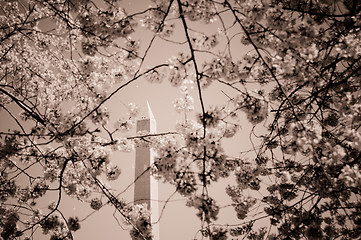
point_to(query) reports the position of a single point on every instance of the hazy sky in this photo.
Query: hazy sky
(178, 222)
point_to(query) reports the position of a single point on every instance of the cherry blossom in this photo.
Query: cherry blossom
(289, 76)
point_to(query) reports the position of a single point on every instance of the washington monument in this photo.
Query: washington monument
(146, 187)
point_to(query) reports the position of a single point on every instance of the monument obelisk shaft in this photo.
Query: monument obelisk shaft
(146, 187)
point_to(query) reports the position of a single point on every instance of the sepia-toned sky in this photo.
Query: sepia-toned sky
(178, 222)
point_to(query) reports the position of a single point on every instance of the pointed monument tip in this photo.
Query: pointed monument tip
(151, 125)
(150, 113)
